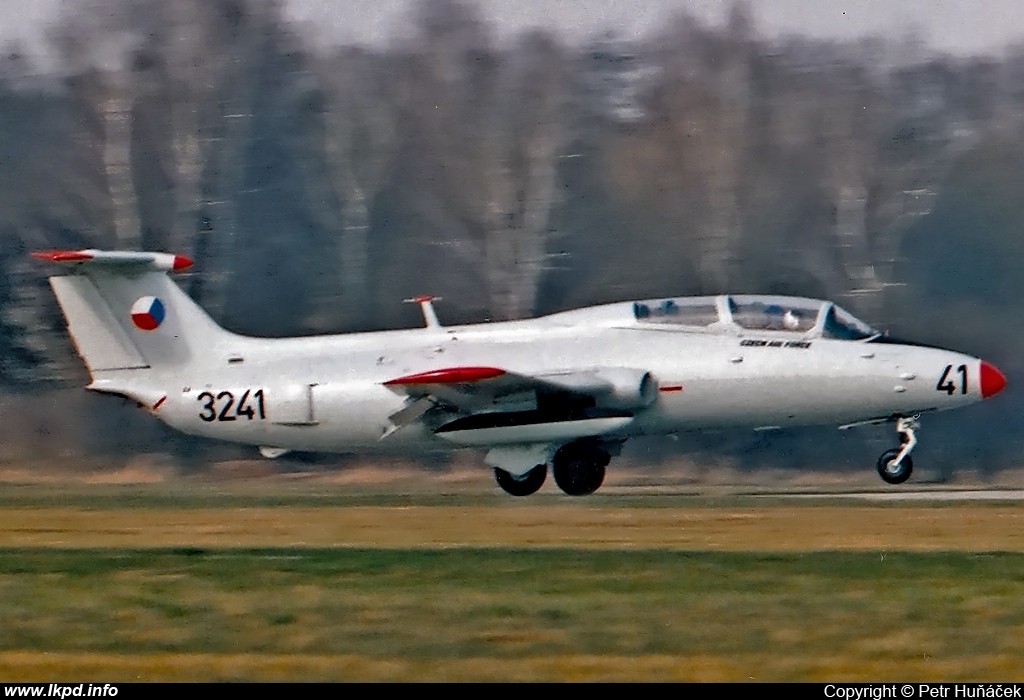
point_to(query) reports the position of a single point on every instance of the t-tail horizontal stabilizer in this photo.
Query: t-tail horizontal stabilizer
(124, 312)
(118, 258)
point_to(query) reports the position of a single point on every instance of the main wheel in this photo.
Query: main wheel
(579, 469)
(890, 471)
(523, 485)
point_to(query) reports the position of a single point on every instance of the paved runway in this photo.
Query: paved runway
(898, 495)
(894, 494)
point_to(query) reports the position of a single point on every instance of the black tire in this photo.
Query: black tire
(579, 469)
(900, 473)
(523, 485)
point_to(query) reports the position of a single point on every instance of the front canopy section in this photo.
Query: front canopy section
(763, 313)
(841, 325)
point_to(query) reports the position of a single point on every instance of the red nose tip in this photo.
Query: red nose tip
(992, 380)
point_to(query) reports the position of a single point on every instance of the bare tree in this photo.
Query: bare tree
(95, 44)
(360, 140)
(495, 125)
(195, 70)
(116, 108)
(850, 144)
(243, 30)
(725, 150)
(521, 176)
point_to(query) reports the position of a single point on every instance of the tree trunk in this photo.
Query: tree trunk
(225, 170)
(116, 108)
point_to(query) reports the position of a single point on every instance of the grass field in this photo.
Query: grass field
(149, 585)
(766, 527)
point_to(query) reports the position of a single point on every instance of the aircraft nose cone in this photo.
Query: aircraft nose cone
(992, 380)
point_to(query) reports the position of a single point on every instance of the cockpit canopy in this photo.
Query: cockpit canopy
(810, 318)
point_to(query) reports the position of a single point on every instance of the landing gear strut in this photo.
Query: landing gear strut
(895, 466)
(579, 468)
(522, 485)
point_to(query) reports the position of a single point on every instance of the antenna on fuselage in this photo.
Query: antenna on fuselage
(427, 307)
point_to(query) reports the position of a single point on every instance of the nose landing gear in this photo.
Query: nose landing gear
(523, 485)
(895, 466)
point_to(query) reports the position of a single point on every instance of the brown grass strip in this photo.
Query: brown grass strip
(774, 528)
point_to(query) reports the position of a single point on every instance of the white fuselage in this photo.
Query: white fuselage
(328, 393)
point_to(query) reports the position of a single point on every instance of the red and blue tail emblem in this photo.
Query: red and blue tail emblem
(148, 313)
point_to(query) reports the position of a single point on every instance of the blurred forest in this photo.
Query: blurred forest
(318, 188)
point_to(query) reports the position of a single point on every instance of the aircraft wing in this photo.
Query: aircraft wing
(493, 399)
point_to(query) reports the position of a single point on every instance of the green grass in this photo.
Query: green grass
(430, 606)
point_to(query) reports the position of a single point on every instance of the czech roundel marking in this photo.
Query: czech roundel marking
(148, 313)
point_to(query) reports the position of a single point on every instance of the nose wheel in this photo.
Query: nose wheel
(895, 466)
(521, 485)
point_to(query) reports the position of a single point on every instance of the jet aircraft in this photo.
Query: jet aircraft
(563, 391)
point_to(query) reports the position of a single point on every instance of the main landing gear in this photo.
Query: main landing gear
(895, 465)
(578, 470)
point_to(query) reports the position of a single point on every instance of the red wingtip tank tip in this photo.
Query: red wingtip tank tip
(181, 262)
(61, 256)
(452, 375)
(992, 380)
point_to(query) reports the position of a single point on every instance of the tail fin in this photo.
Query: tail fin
(124, 312)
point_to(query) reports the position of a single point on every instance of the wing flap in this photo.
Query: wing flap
(412, 411)
(549, 432)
